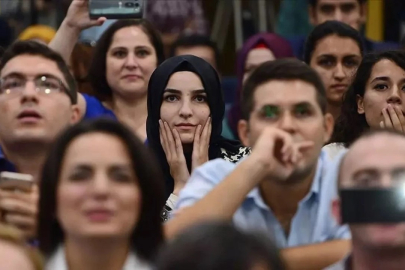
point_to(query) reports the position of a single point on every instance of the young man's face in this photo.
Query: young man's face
(350, 12)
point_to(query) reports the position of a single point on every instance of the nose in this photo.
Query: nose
(131, 61)
(339, 73)
(394, 97)
(287, 123)
(185, 110)
(30, 93)
(100, 186)
(338, 15)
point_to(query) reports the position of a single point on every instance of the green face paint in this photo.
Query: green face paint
(270, 111)
(301, 109)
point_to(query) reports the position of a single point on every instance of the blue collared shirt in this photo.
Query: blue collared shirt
(312, 223)
(5, 165)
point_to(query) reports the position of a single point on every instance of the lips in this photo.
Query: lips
(340, 87)
(29, 115)
(131, 77)
(99, 215)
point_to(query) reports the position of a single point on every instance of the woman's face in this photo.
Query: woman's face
(131, 60)
(385, 86)
(185, 104)
(98, 193)
(336, 60)
(255, 58)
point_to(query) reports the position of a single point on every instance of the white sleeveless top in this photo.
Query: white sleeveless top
(58, 262)
(334, 149)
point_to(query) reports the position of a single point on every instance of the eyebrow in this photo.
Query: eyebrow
(21, 75)
(175, 91)
(386, 79)
(304, 103)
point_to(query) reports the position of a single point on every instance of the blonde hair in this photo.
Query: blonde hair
(12, 236)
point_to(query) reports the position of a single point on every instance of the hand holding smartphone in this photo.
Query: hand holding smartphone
(117, 9)
(10, 181)
(19, 197)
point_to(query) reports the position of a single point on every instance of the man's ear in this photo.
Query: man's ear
(76, 114)
(329, 124)
(336, 210)
(243, 132)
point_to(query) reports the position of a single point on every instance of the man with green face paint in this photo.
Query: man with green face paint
(283, 188)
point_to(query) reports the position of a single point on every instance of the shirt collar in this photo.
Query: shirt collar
(315, 188)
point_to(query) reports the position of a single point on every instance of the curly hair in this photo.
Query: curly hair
(350, 124)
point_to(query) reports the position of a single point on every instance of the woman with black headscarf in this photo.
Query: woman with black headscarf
(185, 112)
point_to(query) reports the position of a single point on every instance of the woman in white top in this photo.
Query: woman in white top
(102, 198)
(376, 98)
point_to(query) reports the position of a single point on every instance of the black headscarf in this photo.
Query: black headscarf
(212, 86)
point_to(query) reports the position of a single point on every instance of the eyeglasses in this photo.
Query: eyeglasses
(43, 85)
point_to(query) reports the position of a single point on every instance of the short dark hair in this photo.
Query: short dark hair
(281, 69)
(350, 124)
(97, 69)
(330, 28)
(35, 48)
(213, 246)
(193, 40)
(148, 234)
(313, 3)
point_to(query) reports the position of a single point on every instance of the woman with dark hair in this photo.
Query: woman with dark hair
(215, 246)
(185, 112)
(102, 195)
(334, 50)
(256, 50)
(124, 58)
(376, 98)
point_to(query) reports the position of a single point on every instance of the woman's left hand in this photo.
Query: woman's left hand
(201, 144)
(393, 118)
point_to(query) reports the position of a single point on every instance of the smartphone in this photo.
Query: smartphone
(117, 9)
(16, 181)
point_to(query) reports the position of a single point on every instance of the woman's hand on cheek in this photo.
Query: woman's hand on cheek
(201, 144)
(393, 118)
(172, 146)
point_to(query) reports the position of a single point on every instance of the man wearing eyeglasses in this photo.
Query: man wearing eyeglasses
(38, 99)
(372, 201)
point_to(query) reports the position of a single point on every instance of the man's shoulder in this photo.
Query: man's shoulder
(214, 169)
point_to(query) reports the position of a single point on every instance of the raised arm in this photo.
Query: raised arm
(223, 201)
(76, 20)
(316, 256)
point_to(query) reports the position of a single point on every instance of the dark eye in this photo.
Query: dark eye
(121, 176)
(351, 63)
(270, 112)
(327, 9)
(302, 112)
(347, 8)
(142, 53)
(171, 98)
(326, 62)
(120, 53)
(12, 83)
(380, 87)
(201, 99)
(80, 175)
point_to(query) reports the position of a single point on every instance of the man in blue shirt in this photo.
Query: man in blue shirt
(351, 12)
(37, 101)
(374, 165)
(283, 187)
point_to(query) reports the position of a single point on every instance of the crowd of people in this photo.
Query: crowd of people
(138, 159)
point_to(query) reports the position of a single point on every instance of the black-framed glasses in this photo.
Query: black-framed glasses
(13, 85)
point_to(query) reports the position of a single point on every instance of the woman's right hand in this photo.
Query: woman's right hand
(78, 16)
(171, 144)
